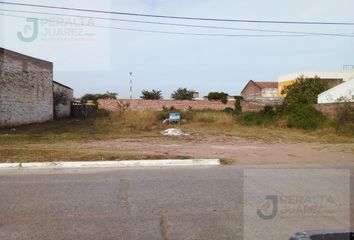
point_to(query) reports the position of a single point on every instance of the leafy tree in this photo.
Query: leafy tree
(183, 94)
(96, 96)
(304, 91)
(218, 96)
(151, 95)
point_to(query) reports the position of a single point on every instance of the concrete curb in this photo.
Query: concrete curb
(112, 164)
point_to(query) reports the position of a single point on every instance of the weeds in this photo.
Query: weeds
(344, 122)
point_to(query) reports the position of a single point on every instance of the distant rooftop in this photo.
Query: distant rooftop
(267, 84)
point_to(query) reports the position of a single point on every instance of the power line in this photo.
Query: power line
(181, 25)
(157, 31)
(177, 17)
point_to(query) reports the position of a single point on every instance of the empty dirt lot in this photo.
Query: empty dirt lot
(231, 149)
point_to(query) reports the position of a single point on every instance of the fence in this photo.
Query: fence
(79, 110)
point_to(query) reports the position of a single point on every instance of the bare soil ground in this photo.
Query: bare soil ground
(136, 135)
(232, 150)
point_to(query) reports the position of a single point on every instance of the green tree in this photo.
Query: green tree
(218, 96)
(304, 91)
(94, 97)
(151, 95)
(183, 94)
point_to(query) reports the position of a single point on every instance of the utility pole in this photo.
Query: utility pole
(131, 86)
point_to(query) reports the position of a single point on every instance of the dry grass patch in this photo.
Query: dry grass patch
(214, 118)
(66, 139)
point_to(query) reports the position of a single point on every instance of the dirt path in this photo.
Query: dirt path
(233, 149)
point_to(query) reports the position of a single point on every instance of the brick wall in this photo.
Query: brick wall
(26, 89)
(329, 109)
(251, 91)
(247, 106)
(63, 110)
(157, 105)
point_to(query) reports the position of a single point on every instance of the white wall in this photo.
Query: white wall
(270, 92)
(344, 90)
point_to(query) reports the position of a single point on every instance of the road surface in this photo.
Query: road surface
(155, 203)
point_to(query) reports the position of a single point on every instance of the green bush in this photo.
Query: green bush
(229, 110)
(344, 122)
(265, 117)
(304, 117)
(218, 96)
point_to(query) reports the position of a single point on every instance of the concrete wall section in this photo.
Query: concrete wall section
(26, 89)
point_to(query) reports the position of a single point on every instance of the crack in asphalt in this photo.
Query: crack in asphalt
(164, 226)
(124, 201)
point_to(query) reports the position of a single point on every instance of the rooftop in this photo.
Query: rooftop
(267, 84)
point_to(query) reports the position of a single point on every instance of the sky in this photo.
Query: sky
(91, 59)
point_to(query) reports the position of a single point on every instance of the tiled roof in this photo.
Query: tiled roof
(267, 84)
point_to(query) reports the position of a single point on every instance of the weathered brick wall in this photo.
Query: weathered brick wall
(63, 110)
(329, 109)
(26, 89)
(251, 91)
(157, 105)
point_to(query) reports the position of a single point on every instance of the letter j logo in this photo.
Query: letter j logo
(269, 209)
(30, 31)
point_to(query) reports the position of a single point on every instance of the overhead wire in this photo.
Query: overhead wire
(180, 25)
(177, 17)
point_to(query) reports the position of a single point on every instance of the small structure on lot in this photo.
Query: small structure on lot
(260, 90)
(26, 89)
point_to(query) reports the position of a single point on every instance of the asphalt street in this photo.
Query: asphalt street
(170, 203)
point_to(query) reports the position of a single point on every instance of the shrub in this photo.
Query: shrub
(218, 96)
(305, 117)
(258, 118)
(344, 122)
(266, 116)
(230, 111)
